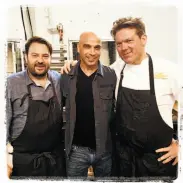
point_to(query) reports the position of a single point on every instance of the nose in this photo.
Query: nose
(124, 46)
(92, 51)
(40, 59)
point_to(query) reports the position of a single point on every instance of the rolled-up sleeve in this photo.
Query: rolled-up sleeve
(8, 110)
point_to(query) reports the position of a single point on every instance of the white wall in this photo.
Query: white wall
(14, 24)
(161, 23)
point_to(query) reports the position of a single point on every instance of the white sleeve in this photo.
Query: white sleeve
(175, 81)
(181, 92)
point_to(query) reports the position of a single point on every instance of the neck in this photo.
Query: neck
(39, 80)
(141, 58)
(87, 69)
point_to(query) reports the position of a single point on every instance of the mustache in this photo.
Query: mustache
(40, 65)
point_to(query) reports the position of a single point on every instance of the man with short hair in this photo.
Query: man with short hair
(34, 115)
(89, 92)
(147, 89)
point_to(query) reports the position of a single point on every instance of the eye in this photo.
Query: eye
(34, 55)
(97, 47)
(87, 46)
(129, 41)
(118, 44)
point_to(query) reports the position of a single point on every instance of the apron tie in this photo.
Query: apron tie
(37, 159)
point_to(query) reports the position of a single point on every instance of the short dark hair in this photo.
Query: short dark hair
(40, 40)
(128, 22)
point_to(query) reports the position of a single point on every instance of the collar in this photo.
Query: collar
(74, 70)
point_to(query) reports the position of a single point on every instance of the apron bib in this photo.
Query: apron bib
(39, 150)
(141, 130)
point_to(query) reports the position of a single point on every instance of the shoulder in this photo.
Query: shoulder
(16, 78)
(107, 69)
(162, 61)
(165, 66)
(16, 84)
(117, 65)
(108, 74)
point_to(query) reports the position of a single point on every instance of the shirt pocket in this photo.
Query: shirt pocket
(106, 96)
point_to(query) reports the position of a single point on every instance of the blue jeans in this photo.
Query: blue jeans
(82, 158)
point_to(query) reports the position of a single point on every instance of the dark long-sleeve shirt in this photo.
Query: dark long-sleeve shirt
(103, 87)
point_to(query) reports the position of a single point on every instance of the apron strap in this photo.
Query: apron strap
(29, 91)
(120, 86)
(54, 92)
(27, 94)
(151, 75)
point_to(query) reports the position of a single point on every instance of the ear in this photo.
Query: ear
(26, 58)
(78, 47)
(144, 39)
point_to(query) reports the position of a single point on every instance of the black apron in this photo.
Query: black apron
(39, 150)
(141, 130)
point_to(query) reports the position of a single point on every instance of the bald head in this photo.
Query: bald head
(86, 36)
(89, 48)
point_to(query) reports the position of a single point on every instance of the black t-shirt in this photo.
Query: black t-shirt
(84, 134)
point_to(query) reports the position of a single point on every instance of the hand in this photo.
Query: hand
(9, 171)
(172, 153)
(9, 149)
(67, 66)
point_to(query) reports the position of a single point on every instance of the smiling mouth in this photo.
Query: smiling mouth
(40, 67)
(91, 59)
(127, 54)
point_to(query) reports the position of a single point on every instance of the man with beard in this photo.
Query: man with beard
(89, 92)
(34, 115)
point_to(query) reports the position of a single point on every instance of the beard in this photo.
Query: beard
(36, 75)
(33, 72)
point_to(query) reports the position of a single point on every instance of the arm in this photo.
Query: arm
(68, 63)
(173, 149)
(9, 148)
(67, 66)
(8, 110)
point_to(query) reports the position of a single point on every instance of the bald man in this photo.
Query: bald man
(88, 90)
